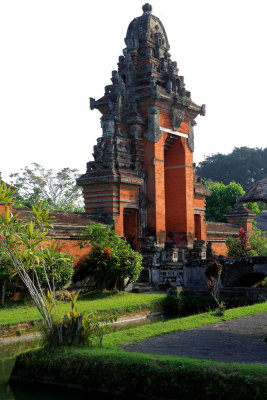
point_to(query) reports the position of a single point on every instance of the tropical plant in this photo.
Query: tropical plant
(244, 245)
(258, 242)
(5, 273)
(111, 259)
(23, 243)
(75, 328)
(58, 266)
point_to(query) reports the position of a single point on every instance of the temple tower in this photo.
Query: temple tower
(142, 177)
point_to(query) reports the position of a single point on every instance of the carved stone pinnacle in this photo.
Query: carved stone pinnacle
(147, 8)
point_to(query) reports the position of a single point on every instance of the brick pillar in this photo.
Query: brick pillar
(154, 166)
(180, 193)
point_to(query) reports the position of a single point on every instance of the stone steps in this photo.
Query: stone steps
(142, 288)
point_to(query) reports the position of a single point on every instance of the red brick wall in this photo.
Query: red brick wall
(220, 248)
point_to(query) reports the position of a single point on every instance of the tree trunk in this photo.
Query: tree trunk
(3, 293)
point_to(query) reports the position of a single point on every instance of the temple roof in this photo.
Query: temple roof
(261, 220)
(146, 28)
(256, 192)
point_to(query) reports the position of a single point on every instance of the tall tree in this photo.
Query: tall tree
(58, 190)
(244, 165)
(222, 199)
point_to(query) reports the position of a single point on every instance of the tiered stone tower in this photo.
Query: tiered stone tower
(142, 177)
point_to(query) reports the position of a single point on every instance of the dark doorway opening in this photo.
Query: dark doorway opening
(130, 227)
(197, 220)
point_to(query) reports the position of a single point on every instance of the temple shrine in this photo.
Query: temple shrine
(142, 177)
(142, 180)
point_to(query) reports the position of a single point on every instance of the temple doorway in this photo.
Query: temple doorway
(197, 220)
(130, 227)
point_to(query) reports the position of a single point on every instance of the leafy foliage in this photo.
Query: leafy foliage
(59, 267)
(222, 199)
(21, 241)
(111, 259)
(76, 328)
(244, 165)
(5, 273)
(258, 242)
(188, 305)
(146, 375)
(58, 190)
(254, 245)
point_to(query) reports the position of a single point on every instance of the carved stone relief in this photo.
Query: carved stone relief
(177, 116)
(153, 133)
(190, 139)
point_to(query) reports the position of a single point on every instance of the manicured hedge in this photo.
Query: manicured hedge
(187, 305)
(144, 374)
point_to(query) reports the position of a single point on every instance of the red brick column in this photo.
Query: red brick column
(154, 167)
(179, 181)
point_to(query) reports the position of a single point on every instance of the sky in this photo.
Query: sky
(55, 54)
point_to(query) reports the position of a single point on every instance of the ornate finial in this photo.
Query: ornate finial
(147, 8)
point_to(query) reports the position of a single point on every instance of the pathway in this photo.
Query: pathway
(239, 340)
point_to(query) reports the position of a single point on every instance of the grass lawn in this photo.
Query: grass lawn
(193, 321)
(145, 374)
(121, 302)
(150, 375)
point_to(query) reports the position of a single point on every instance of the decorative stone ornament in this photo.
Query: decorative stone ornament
(177, 116)
(190, 139)
(147, 8)
(153, 129)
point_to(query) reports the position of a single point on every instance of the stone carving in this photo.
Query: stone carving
(190, 139)
(177, 116)
(92, 103)
(203, 110)
(107, 125)
(153, 133)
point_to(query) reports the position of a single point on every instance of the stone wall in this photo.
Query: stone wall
(249, 293)
(236, 268)
(233, 270)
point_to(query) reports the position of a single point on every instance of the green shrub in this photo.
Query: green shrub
(5, 274)
(75, 328)
(187, 305)
(144, 375)
(59, 269)
(258, 242)
(233, 247)
(253, 245)
(111, 259)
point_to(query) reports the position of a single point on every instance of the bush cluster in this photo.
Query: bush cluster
(111, 260)
(59, 270)
(244, 246)
(152, 376)
(187, 305)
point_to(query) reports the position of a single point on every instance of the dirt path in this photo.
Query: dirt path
(239, 340)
